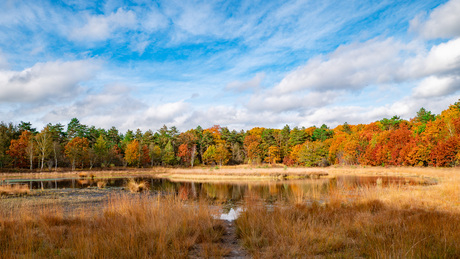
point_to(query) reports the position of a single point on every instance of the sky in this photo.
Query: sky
(239, 64)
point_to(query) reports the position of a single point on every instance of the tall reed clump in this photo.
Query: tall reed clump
(129, 227)
(361, 229)
(15, 189)
(134, 186)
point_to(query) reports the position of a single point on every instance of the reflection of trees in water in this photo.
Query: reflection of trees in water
(229, 192)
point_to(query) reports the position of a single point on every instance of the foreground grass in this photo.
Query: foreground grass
(128, 227)
(369, 221)
(361, 229)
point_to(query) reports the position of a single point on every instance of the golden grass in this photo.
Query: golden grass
(371, 221)
(101, 184)
(397, 221)
(14, 189)
(362, 229)
(129, 227)
(134, 186)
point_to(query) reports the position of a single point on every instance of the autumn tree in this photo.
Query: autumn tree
(77, 151)
(222, 155)
(184, 153)
(8, 132)
(145, 155)
(132, 153)
(18, 149)
(187, 150)
(273, 155)
(209, 156)
(44, 145)
(252, 148)
(155, 154)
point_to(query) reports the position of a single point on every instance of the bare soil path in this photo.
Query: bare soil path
(231, 242)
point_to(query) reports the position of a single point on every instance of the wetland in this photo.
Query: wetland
(345, 212)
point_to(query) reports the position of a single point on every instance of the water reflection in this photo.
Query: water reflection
(227, 192)
(231, 215)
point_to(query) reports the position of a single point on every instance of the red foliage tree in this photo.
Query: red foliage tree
(18, 149)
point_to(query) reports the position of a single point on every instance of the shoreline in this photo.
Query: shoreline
(248, 173)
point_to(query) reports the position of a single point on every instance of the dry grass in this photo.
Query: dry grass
(371, 221)
(362, 229)
(134, 186)
(397, 221)
(101, 184)
(129, 227)
(14, 189)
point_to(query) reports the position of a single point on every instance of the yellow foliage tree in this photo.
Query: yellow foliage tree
(132, 153)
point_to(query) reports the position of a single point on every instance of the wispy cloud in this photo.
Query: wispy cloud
(251, 84)
(101, 27)
(239, 64)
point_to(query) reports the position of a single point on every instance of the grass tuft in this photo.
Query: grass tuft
(134, 186)
(14, 189)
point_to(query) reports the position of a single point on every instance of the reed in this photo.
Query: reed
(361, 229)
(134, 186)
(14, 189)
(137, 226)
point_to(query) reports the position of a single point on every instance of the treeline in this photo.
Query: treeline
(425, 140)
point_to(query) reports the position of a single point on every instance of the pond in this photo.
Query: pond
(229, 195)
(275, 190)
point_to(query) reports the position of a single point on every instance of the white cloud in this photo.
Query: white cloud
(253, 83)
(443, 22)
(406, 108)
(197, 19)
(154, 20)
(358, 66)
(45, 81)
(166, 112)
(441, 59)
(434, 86)
(350, 67)
(279, 102)
(101, 27)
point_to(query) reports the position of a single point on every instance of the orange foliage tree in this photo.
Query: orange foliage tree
(77, 151)
(251, 145)
(18, 149)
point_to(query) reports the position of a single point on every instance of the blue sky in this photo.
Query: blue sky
(142, 64)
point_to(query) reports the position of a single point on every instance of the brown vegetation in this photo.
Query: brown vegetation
(397, 221)
(14, 189)
(129, 227)
(134, 186)
(360, 229)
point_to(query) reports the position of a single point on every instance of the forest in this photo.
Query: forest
(425, 140)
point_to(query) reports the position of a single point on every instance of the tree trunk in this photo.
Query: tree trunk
(192, 160)
(55, 159)
(43, 160)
